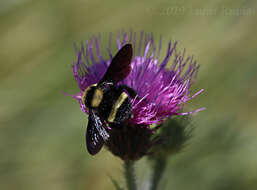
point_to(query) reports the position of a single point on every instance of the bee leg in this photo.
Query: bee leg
(107, 125)
(132, 93)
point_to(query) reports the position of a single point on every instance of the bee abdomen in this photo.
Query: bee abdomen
(121, 109)
(92, 96)
(112, 105)
(124, 111)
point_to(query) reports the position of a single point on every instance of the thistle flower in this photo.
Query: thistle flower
(162, 90)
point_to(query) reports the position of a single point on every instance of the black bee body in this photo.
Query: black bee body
(107, 102)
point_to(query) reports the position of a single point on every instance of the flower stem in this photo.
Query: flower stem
(130, 174)
(159, 166)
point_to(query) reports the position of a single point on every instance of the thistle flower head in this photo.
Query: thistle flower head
(162, 85)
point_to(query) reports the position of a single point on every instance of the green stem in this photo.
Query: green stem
(130, 174)
(159, 166)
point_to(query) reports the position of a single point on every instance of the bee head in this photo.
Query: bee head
(92, 96)
(105, 85)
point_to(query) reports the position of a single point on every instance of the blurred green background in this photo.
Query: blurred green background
(42, 131)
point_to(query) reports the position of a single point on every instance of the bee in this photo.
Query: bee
(108, 103)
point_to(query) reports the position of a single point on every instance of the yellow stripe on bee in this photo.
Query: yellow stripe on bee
(97, 97)
(85, 93)
(116, 106)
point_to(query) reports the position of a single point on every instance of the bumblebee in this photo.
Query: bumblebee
(108, 103)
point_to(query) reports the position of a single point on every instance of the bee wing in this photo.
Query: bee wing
(96, 134)
(119, 68)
